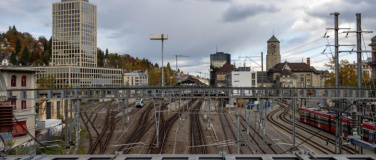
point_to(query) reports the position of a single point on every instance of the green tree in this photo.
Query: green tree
(169, 67)
(48, 82)
(18, 46)
(25, 58)
(13, 58)
(14, 29)
(38, 60)
(106, 53)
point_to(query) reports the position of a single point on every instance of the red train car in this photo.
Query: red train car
(327, 122)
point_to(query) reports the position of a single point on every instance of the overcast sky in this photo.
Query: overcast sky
(197, 28)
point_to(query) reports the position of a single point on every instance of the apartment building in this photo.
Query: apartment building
(23, 110)
(135, 78)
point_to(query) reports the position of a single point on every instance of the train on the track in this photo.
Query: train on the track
(326, 120)
(139, 103)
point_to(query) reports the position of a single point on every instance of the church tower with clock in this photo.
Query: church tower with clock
(273, 55)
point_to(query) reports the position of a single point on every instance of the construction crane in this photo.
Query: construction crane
(246, 57)
(176, 56)
(235, 61)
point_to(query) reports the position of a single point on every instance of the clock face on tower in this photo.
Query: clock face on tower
(272, 48)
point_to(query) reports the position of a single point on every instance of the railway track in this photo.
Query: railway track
(101, 140)
(110, 121)
(313, 132)
(88, 120)
(197, 140)
(298, 135)
(257, 139)
(230, 137)
(163, 131)
(143, 124)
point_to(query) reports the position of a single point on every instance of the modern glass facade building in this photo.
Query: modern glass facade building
(74, 33)
(217, 61)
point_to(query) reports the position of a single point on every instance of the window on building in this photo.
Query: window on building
(308, 79)
(14, 104)
(13, 81)
(23, 104)
(301, 78)
(253, 82)
(23, 81)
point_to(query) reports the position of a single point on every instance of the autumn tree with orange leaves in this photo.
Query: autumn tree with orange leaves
(347, 75)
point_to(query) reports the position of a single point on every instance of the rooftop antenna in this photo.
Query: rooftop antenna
(216, 48)
(273, 31)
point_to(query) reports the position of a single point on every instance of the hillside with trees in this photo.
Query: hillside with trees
(21, 48)
(129, 63)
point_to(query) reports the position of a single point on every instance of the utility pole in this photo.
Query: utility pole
(78, 107)
(67, 146)
(262, 68)
(176, 65)
(336, 46)
(357, 114)
(293, 122)
(238, 147)
(336, 60)
(161, 37)
(209, 110)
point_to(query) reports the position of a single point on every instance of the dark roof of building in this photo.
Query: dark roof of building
(294, 67)
(261, 72)
(286, 72)
(226, 68)
(191, 80)
(273, 39)
(17, 70)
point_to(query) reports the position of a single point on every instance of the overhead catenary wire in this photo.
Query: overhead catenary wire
(316, 47)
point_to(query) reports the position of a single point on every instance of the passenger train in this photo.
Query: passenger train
(320, 119)
(139, 103)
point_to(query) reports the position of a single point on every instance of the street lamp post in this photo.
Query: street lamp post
(160, 37)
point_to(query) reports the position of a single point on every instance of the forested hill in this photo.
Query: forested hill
(22, 48)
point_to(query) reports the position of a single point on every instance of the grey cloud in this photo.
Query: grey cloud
(347, 10)
(236, 13)
(220, 0)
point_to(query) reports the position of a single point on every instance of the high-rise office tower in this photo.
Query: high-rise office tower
(74, 33)
(217, 61)
(74, 48)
